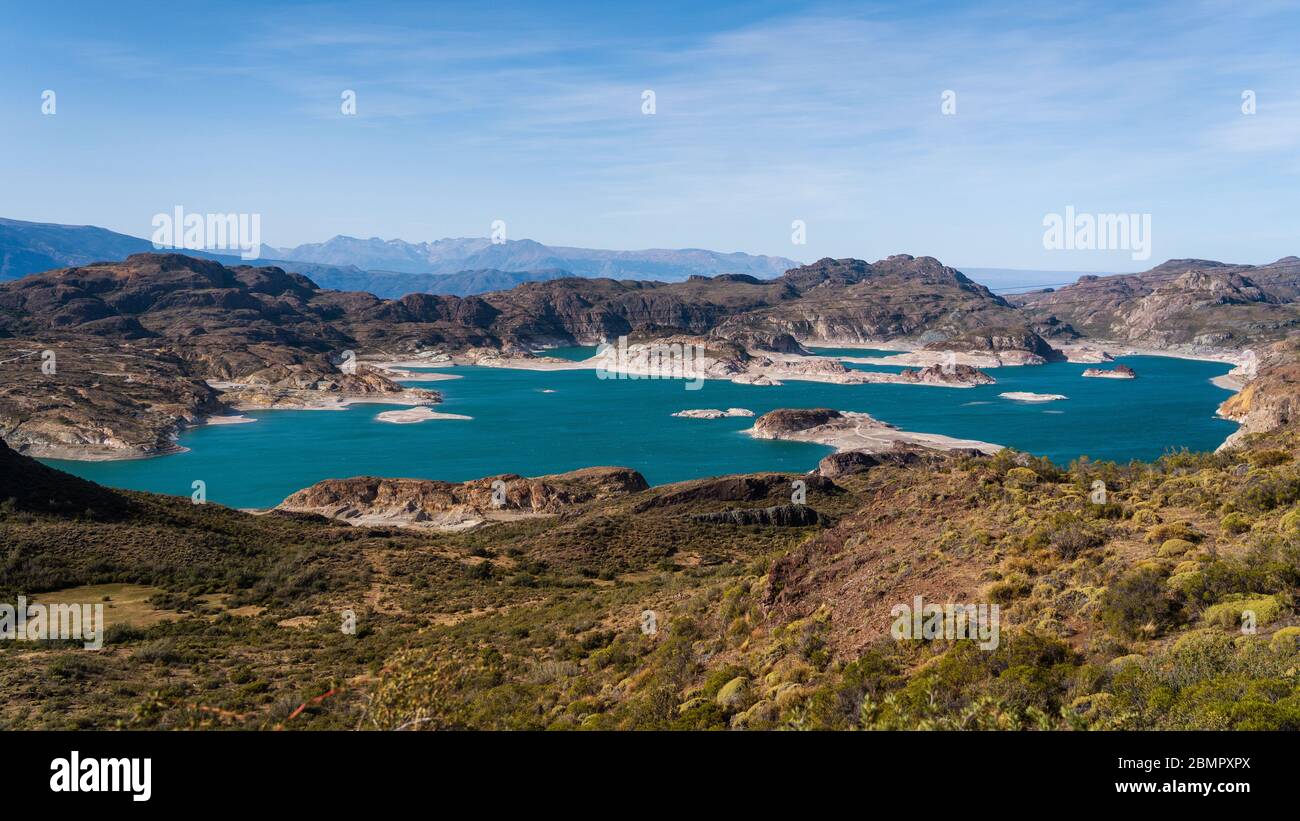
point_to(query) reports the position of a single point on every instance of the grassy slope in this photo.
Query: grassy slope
(538, 623)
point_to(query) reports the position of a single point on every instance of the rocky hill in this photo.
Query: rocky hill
(110, 360)
(1184, 302)
(146, 346)
(901, 297)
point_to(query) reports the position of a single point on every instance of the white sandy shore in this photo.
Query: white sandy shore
(863, 432)
(400, 369)
(334, 403)
(228, 420)
(1198, 354)
(418, 414)
(879, 345)
(782, 368)
(1026, 396)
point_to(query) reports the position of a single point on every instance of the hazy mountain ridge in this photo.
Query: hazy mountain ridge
(449, 256)
(388, 268)
(29, 247)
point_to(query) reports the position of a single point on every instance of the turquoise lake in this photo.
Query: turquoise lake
(517, 427)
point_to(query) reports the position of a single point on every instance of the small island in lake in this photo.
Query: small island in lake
(1118, 372)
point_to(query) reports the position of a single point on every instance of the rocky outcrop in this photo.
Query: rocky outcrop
(956, 375)
(77, 398)
(1118, 372)
(753, 488)
(1271, 399)
(845, 430)
(145, 347)
(758, 340)
(369, 500)
(850, 462)
(296, 386)
(1031, 347)
(791, 515)
(786, 421)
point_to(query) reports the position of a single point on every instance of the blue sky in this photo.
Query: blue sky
(765, 113)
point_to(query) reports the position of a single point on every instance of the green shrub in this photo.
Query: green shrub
(1286, 640)
(1022, 477)
(1268, 490)
(1174, 530)
(1011, 587)
(1189, 583)
(735, 695)
(1173, 548)
(1235, 523)
(1139, 604)
(1067, 534)
(1267, 458)
(1267, 609)
(1290, 522)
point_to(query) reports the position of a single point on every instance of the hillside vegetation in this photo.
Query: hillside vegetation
(1123, 614)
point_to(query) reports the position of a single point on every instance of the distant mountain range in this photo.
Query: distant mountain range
(449, 256)
(454, 267)
(390, 268)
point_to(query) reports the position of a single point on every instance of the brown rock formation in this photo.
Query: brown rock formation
(371, 500)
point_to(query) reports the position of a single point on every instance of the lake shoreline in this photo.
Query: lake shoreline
(246, 414)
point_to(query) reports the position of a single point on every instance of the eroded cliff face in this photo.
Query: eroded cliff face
(1269, 401)
(371, 500)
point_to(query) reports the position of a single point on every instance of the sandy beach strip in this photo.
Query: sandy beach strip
(1026, 396)
(228, 420)
(410, 416)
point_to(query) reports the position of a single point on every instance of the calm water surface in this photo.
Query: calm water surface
(532, 423)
